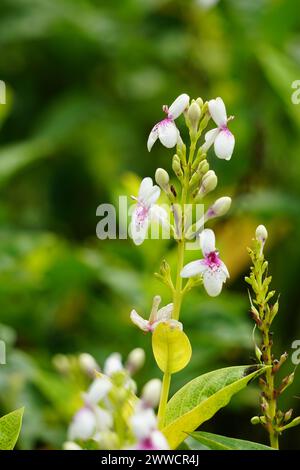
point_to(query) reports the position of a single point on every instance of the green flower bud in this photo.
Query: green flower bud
(209, 182)
(162, 178)
(288, 415)
(199, 101)
(176, 166)
(194, 113)
(255, 420)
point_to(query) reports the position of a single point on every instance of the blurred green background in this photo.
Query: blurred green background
(85, 83)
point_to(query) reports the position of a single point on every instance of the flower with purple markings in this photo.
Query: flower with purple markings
(146, 210)
(212, 269)
(221, 136)
(166, 130)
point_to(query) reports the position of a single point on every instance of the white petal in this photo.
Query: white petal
(98, 390)
(165, 313)
(224, 144)
(178, 106)
(167, 133)
(218, 111)
(152, 196)
(153, 136)
(207, 241)
(223, 267)
(113, 364)
(145, 188)
(83, 425)
(143, 423)
(158, 441)
(104, 419)
(213, 281)
(159, 214)
(139, 321)
(193, 268)
(138, 231)
(210, 137)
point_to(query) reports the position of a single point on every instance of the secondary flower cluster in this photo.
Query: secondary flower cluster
(112, 416)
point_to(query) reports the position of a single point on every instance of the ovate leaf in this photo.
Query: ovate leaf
(10, 426)
(200, 399)
(171, 348)
(216, 442)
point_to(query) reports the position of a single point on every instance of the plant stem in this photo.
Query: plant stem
(269, 390)
(163, 400)
(177, 297)
(178, 293)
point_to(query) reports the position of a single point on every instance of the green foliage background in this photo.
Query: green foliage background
(85, 83)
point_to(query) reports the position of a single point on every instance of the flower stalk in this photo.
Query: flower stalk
(263, 311)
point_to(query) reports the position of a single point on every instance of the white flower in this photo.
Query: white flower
(144, 427)
(166, 130)
(157, 316)
(83, 425)
(143, 423)
(221, 136)
(213, 270)
(146, 210)
(97, 391)
(113, 364)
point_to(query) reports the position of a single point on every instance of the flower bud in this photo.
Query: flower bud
(209, 182)
(88, 364)
(162, 178)
(194, 179)
(288, 415)
(61, 363)
(203, 167)
(70, 445)
(135, 360)
(194, 113)
(151, 393)
(261, 234)
(199, 101)
(220, 207)
(176, 166)
(255, 420)
(113, 364)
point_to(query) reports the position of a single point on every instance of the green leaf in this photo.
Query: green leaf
(216, 442)
(171, 348)
(200, 399)
(10, 426)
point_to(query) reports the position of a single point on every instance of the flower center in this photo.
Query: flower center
(141, 213)
(212, 260)
(225, 129)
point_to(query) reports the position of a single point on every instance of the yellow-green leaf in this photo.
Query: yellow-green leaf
(216, 442)
(10, 426)
(171, 348)
(200, 399)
